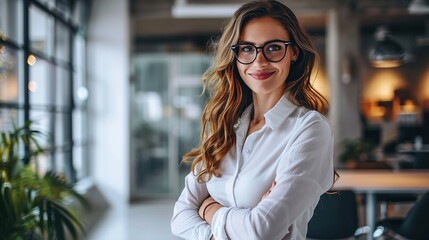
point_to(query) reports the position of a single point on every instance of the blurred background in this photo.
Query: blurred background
(117, 85)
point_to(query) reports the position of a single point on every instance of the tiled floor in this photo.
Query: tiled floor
(149, 220)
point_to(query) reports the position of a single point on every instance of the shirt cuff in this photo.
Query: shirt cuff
(219, 222)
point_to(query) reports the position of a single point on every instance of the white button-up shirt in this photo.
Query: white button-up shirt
(293, 148)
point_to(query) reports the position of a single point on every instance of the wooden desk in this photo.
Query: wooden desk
(371, 182)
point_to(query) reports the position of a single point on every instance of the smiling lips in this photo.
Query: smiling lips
(261, 75)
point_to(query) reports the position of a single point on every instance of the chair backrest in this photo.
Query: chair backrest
(416, 222)
(335, 216)
(421, 160)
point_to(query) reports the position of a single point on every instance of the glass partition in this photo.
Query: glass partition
(166, 111)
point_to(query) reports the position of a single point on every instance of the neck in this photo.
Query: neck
(261, 105)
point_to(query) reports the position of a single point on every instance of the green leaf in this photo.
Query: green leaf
(68, 214)
(59, 228)
(71, 226)
(31, 207)
(7, 193)
(50, 223)
(42, 212)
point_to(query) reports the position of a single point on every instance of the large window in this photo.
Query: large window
(42, 78)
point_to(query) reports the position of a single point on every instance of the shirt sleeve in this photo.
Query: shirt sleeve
(186, 222)
(305, 172)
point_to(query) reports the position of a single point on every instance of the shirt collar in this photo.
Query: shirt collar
(273, 118)
(276, 115)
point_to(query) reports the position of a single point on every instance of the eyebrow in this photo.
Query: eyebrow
(272, 40)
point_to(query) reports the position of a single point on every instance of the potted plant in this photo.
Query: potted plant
(33, 206)
(354, 151)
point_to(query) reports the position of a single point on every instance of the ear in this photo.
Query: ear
(295, 53)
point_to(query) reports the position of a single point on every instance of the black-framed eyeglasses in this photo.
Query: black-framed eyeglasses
(273, 51)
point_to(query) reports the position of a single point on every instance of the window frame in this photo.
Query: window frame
(58, 65)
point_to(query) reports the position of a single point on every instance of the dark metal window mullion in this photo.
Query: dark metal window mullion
(10, 43)
(26, 72)
(53, 59)
(70, 159)
(52, 79)
(86, 143)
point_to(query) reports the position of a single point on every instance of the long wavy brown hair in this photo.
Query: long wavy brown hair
(230, 95)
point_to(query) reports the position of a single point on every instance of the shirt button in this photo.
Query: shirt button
(247, 150)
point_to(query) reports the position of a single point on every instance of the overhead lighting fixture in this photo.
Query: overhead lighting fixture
(183, 9)
(387, 53)
(419, 7)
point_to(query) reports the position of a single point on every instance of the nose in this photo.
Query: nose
(260, 58)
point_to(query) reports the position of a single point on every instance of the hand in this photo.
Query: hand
(269, 190)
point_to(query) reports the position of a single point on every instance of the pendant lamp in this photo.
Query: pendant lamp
(386, 53)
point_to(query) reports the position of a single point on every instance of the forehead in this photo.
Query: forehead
(261, 30)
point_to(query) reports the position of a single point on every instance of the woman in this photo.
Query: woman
(266, 152)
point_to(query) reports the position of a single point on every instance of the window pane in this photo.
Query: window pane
(40, 85)
(79, 51)
(41, 29)
(9, 19)
(60, 162)
(62, 83)
(42, 120)
(61, 133)
(80, 162)
(9, 118)
(80, 93)
(62, 42)
(44, 163)
(79, 126)
(9, 77)
(80, 90)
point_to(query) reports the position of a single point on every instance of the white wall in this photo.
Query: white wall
(108, 76)
(342, 55)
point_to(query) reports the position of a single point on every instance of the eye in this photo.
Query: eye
(274, 47)
(247, 48)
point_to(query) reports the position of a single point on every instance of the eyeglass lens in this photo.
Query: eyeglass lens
(273, 52)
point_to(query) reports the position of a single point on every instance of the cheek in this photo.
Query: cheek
(284, 70)
(241, 70)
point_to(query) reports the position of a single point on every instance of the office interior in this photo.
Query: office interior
(117, 85)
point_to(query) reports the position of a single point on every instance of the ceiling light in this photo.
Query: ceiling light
(387, 53)
(204, 10)
(419, 7)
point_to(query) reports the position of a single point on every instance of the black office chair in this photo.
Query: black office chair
(421, 160)
(415, 225)
(335, 217)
